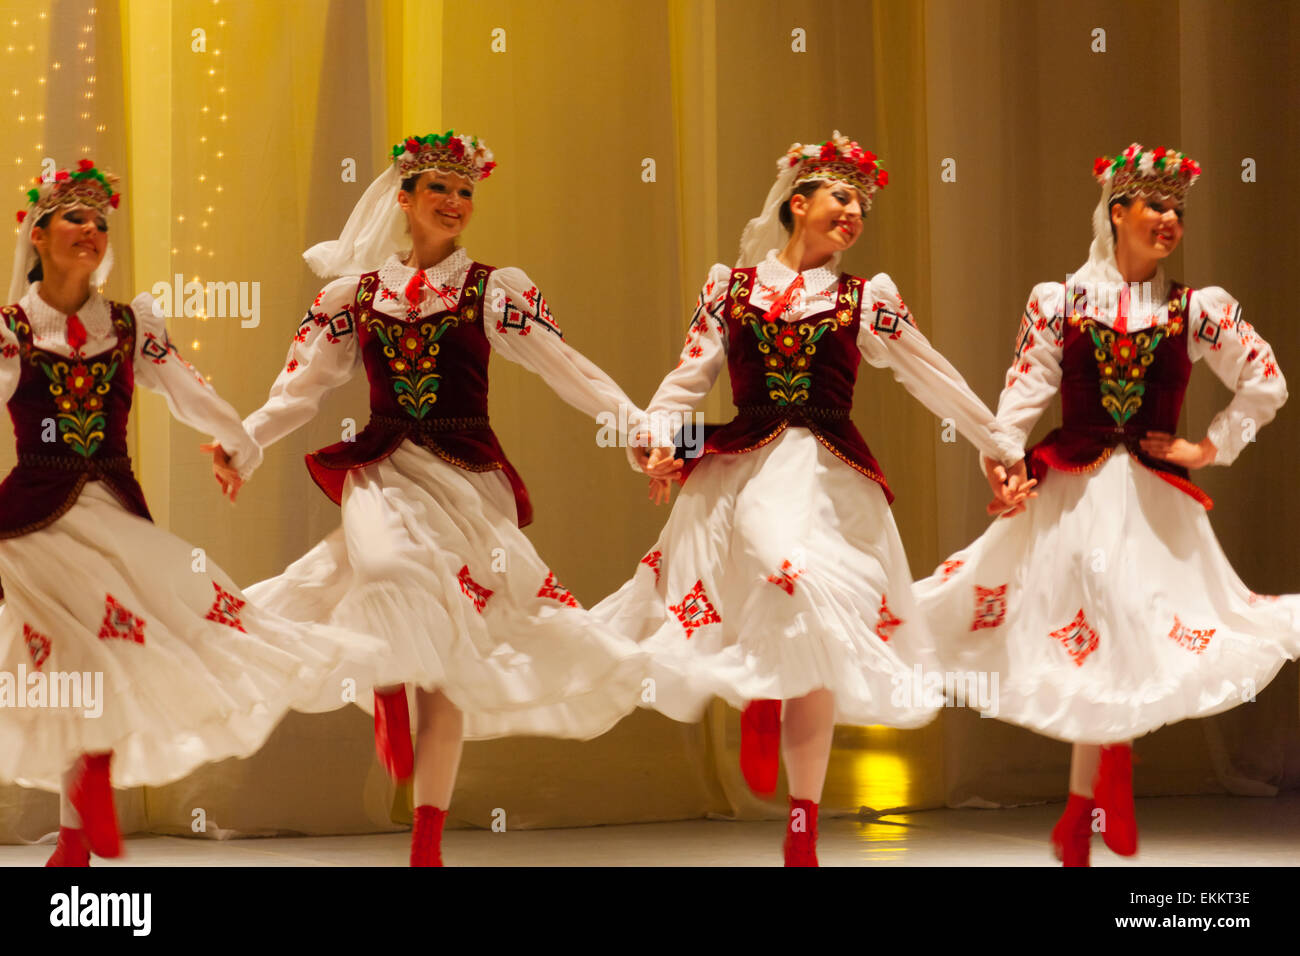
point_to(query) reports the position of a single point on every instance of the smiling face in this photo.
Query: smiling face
(439, 205)
(830, 219)
(1149, 229)
(72, 243)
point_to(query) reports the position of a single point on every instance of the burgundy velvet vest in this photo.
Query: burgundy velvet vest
(1116, 387)
(429, 384)
(69, 417)
(793, 374)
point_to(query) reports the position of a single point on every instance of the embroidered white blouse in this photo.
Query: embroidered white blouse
(1216, 333)
(516, 321)
(158, 366)
(914, 361)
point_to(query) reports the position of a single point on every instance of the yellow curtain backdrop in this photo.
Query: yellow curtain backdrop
(634, 141)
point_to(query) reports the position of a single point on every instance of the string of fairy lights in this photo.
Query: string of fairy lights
(29, 108)
(29, 58)
(192, 232)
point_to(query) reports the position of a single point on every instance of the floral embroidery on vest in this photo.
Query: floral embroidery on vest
(78, 385)
(788, 347)
(1123, 358)
(412, 347)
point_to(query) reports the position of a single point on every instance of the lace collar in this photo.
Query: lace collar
(774, 277)
(1148, 302)
(448, 276)
(51, 325)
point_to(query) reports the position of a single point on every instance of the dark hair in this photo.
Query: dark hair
(1124, 201)
(36, 274)
(803, 189)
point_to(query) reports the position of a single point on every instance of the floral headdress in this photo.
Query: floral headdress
(83, 186)
(1147, 173)
(448, 153)
(376, 228)
(839, 159)
(1139, 172)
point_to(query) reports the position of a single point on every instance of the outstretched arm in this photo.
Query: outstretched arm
(519, 327)
(322, 356)
(888, 337)
(159, 367)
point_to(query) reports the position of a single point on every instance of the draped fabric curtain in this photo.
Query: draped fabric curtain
(634, 141)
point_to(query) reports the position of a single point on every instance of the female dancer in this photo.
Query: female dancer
(129, 647)
(430, 556)
(780, 576)
(1111, 609)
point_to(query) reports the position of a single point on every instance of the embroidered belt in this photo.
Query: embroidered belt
(66, 463)
(431, 424)
(789, 411)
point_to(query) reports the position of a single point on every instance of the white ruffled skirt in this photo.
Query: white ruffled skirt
(116, 635)
(430, 560)
(780, 571)
(1107, 610)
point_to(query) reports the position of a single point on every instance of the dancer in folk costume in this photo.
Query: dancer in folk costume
(430, 556)
(190, 672)
(780, 577)
(1110, 609)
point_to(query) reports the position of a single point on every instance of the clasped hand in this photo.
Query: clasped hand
(660, 464)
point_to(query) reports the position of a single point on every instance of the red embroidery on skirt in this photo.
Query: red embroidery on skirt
(1190, 638)
(949, 568)
(990, 607)
(556, 591)
(1078, 638)
(38, 645)
(696, 610)
(888, 623)
(651, 560)
(225, 609)
(120, 623)
(473, 590)
(785, 577)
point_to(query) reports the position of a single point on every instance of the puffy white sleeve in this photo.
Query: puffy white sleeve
(10, 364)
(702, 358)
(1243, 361)
(519, 327)
(160, 368)
(888, 337)
(1035, 374)
(322, 356)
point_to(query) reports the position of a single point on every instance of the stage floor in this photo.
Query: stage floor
(1175, 831)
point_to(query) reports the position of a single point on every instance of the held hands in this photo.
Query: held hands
(663, 470)
(1178, 451)
(1011, 488)
(226, 475)
(659, 464)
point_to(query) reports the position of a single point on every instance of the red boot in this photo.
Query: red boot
(801, 834)
(1114, 795)
(1073, 832)
(426, 836)
(70, 850)
(760, 745)
(92, 796)
(393, 733)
